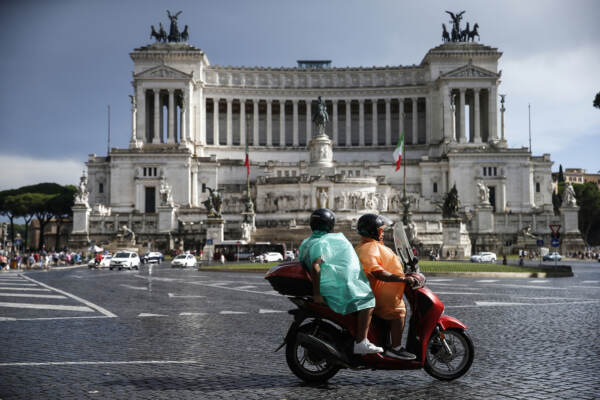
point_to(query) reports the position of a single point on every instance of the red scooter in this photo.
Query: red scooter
(320, 342)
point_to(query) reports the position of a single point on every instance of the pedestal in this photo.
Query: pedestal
(484, 218)
(321, 156)
(570, 238)
(81, 219)
(166, 218)
(215, 228)
(456, 243)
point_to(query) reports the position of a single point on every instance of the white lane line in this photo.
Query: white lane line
(151, 315)
(246, 287)
(192, 313)
(134, 287)
(46, 307)
(499, 303)
(28, 289)
(492, 304)
(440, 280)
(186, 296)
(461, 293)
(59, 363)
(529, 287)
(54, 318)
(590, 281)
(232, 312)
(538, 281)
(487, 281)
(263, 311)
(37, 296)
(429, 283)
(271, 293)
(7, 319)
(87, 303)
(17, 284)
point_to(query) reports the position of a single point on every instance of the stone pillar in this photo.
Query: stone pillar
(348, 123)
(462, 136)
(415, 127)
(182, 114)
(375, 134)
(269, 122)
(401, 118)
(295, 122)
(142, 123)
(388, 123)
(133, 142)
(335, 132)
(493, 119)
(242, 122)
(171, 118)
(308, 120)
(157, 127)
(255, 139)
(215, 121)
(229, 122)
(282, 123)
(361, 122)
(477, 119)
(427, 120)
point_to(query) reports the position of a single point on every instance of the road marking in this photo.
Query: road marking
(529, 287)
(487, 281)
(461, 293)
(134, 287)
(151, 315)
(39, 296)
(586, 287)
(246, 287)
(590, 281)
(499, 303)
(439, 280)
(54, 318)
(262, 311)
(16, 283)
(232, 312)
(192, 313)
(87, 303)
(59, 363)
(539, 281)
(7, 319)
(28, 289)
(271, 293)
(186, 296)
(491, 304)
(46, 307)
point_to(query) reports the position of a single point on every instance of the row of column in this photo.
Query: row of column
(334, 121)
(175, 132)
(482, 115)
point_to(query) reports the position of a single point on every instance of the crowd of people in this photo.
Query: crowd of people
(38, 259)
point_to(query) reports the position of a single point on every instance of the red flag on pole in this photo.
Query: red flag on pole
(247, 162)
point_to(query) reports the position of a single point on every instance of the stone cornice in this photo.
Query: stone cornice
(326, 93)
(461, 50)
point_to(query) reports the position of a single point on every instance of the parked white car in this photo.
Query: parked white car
(273, 256)
(125, 259)
(289, 255)
(184, 261)
(555, 256)
(483, 257)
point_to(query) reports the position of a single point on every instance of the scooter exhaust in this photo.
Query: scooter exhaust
(323, 348)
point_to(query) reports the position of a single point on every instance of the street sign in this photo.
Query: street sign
(555, 242)
(540, 242)
(209, 242)
(555, 228)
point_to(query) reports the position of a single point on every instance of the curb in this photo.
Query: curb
(557, 274)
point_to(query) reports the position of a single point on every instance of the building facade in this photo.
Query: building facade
(191, 123)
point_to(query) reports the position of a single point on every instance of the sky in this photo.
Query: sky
(65, 61)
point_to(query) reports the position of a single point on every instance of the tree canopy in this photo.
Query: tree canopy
(597, 100)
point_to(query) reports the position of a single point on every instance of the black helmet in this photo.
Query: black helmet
(368, 225)
(322, 219)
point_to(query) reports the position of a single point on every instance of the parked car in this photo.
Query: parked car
(554, 256)
(184, 261)
(153, 257)
(273, 256)
(125, 259)
(289, 255)
(484, 257)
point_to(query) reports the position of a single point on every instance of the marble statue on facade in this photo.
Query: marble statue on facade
(321, 117)
(527, 232)
(246, 231)
(213, 203)
(166, 198)
(128, 234)
(450, 207)
(569, 199)
(322, 197)
(82, 195)
(483, 193)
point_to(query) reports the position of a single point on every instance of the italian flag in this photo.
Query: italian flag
(398, 152)
(247, 162)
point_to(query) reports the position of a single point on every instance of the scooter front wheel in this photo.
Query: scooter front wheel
(449, 354)
(309, 365)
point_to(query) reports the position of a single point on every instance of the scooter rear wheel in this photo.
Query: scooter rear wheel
(444, 365)
(309, 365)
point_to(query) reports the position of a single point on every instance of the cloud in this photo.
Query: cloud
(20, 171)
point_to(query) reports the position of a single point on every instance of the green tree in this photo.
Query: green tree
(7, 211)
(588, 200)
(597, 100)
(561, 175)
(21, 205)
(61, 208)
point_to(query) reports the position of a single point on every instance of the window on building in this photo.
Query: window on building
(144, 171)
(434, 187)
(484, 171)
(537, 187)
(357, 172)
(495, 171)
(350, 173)
(294, 172)
(155, 174)
(287, 173)
(101, 187)
(278, 173)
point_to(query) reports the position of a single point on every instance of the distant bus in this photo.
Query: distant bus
(235, 250)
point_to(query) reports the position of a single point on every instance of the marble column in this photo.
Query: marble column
(427, 120)
(215, 121)
(229, 122)
(295, 122)
(308, 120)
(401, 119)
(269, 122)
(171, 121)
(388, 123)
(157, 136)
(182, 114)
(348, 123)
(335, 132)
(361, 122)
(415, 121)
(255, 140)
(461, 128)
(243, 122)
(493, 121)
(477, 120)
(374, 117)
(282, 123)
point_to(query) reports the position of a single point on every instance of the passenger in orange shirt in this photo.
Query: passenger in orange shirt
(386, 276)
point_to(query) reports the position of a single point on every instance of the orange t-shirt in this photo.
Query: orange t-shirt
(374, 256)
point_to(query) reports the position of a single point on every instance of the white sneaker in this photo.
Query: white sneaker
(366, 347)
